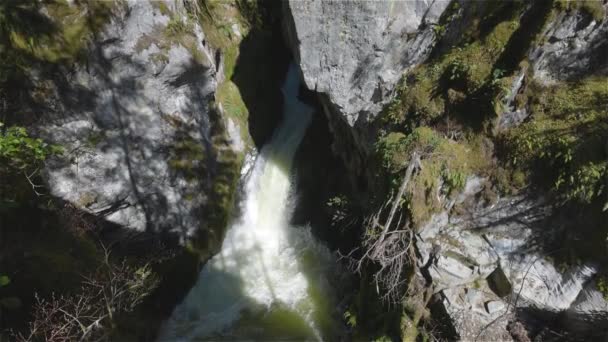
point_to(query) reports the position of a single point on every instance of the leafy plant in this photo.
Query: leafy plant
(458, 70)
(565, 143)
(453, 179)
(19, 151)
(351, 319)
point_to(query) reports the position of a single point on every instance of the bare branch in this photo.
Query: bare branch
(34, 185)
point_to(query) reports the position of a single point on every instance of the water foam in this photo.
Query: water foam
(260, 263)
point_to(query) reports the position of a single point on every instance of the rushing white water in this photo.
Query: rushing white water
(266, 282)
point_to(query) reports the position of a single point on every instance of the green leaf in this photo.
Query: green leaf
(4, 280)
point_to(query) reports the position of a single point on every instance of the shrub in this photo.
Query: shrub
(91, 314)
(177, 27)
(564, 146)
(19, 151)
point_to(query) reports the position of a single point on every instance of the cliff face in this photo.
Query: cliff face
(574, 46)
(355, 60)
(143, 137)
(481, 256)
(355, 52)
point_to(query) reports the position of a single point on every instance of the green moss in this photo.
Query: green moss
(229, 96)
(178, 31)
(563, 147)
(187, 157)
(445, 162)
(217, 24)
(162, 7)
(423, 95)
(95, 138)
(57, 259)
(74, 26)
(602, 286)
(177, 27)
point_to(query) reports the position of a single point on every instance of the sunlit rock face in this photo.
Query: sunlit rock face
(357, 57)
(489, 262)
(353, 53)
(141, 122)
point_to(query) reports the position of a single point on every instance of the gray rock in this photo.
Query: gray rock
(356, 51)
(494, 306)
(497, 243)
(512, 116)
(147, 94)
(575, 45)
(467, 308)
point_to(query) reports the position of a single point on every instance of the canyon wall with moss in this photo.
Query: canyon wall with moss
(505, 106)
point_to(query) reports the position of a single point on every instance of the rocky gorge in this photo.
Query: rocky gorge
(483, 261)
(456, 162)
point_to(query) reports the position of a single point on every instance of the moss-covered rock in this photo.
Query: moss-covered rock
(563, 147)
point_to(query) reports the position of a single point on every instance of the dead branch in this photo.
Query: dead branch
(33, 185)
(115, 288)
(390, 244)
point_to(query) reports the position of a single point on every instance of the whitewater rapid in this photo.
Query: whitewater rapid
(267, 281)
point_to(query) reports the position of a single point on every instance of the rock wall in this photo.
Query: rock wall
(574, 45)
(485, 262)
(490, 265)
(355, 60)
(137, 120)
(357, 57)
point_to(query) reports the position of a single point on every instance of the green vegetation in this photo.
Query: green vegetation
(60, 37)
(7, 303)
(42, 36)
(563, 148)
(461, 101)
(446, 110)
(187, 157)
(229, 96)
(450, 85)
(446, 164)
(217, 21)
(602, 285)
(47, 246)
(177, 27)
(21, 158)
(19, 151)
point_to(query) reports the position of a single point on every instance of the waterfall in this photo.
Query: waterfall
(267, 280)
